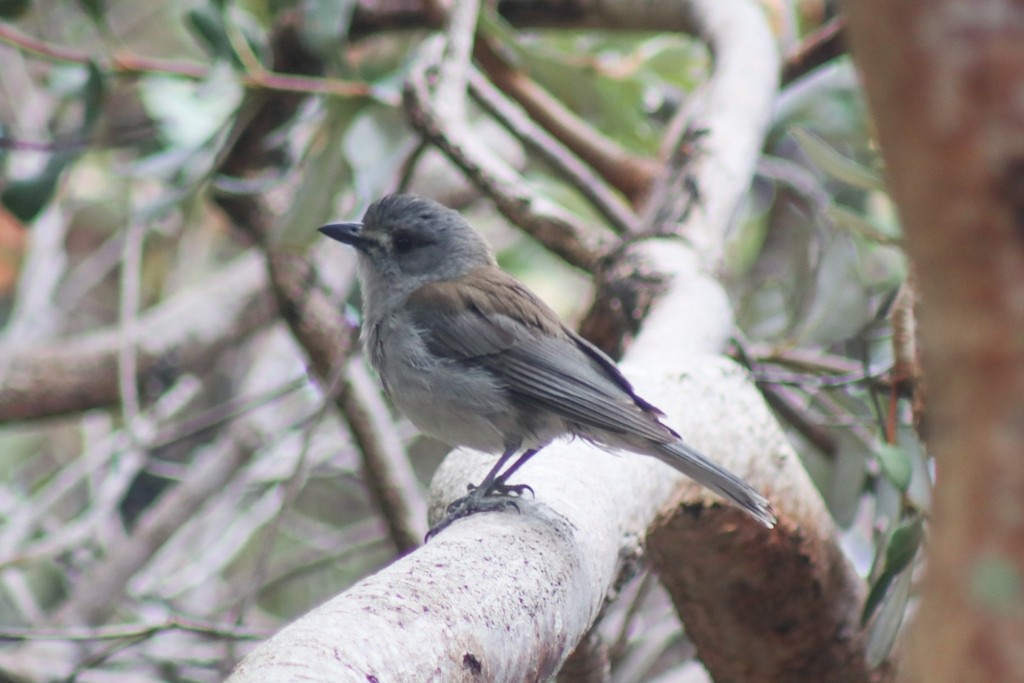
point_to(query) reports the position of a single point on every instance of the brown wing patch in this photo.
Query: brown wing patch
(490, 291)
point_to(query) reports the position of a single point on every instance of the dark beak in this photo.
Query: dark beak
(347, 233)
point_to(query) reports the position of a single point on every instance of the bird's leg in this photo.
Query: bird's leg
(499, 487)
(493, 494)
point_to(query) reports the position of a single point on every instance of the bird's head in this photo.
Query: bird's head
(405, 242)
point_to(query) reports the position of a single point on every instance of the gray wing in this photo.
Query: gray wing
(549, 369)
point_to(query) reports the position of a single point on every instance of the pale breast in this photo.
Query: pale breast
(453, 402)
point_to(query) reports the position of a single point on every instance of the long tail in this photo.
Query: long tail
(717, 478)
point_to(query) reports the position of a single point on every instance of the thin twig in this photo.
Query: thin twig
(819, 47)
(133, 631)
(131, 292)
(453, 71)
(387, 470)
(123, 446)
(630, 174)
(765, 376)
(563, 234)
(187, 330)
(618, 214)
(408, 165)
(222, 413)
(785, 406)
(131, 64)
(96, 595)
(805, 360)
(290, 491)
(355, 540)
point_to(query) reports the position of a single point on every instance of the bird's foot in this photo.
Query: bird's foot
(498, 489)
(497, 498)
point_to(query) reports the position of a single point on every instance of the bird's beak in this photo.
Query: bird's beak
(347, 233)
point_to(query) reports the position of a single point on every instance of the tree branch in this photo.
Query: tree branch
(311, 315)
(487, 593)
(132, 65)
(588, 183)
(185, 333)
(557, 230)
(629, 173)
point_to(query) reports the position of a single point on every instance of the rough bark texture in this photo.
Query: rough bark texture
(506, 596)
(775, 607)
(944, 80)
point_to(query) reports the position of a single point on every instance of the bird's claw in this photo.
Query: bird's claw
(498, 498)
(497, 490)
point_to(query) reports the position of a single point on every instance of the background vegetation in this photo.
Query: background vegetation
(175, 482)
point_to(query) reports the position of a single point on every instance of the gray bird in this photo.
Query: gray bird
(474, 358)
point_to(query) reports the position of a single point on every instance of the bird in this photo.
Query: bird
(474, 358)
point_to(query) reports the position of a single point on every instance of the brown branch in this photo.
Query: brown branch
(328, 341)
(311, 315)
(794, 622)
(128, 64)
(804, 360)
(588, 663)
(185, 333)
(563, 234)
(629, 173)
(619, 215)
(819, 47)
(906, 368)
(786, 407)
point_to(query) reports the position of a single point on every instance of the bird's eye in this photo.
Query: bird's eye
(406, 241)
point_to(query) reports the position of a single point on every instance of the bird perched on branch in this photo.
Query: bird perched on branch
(474, 358)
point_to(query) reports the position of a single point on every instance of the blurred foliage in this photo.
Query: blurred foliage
(90, 152)
(816, 265)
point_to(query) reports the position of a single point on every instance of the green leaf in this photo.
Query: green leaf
(846, 480)
(875, 595)
(845, 170)
(25, 198)
(207, 25)
(859, 225)
(895, 464)
(12, 9)
(93, 93)
(899, 554)
(96, 9)
(904, 544)
(190, 114)
(611, 105)
(676, 61)
(890, 616)
(325, 21)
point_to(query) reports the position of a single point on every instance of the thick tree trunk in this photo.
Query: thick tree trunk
(944, 79)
